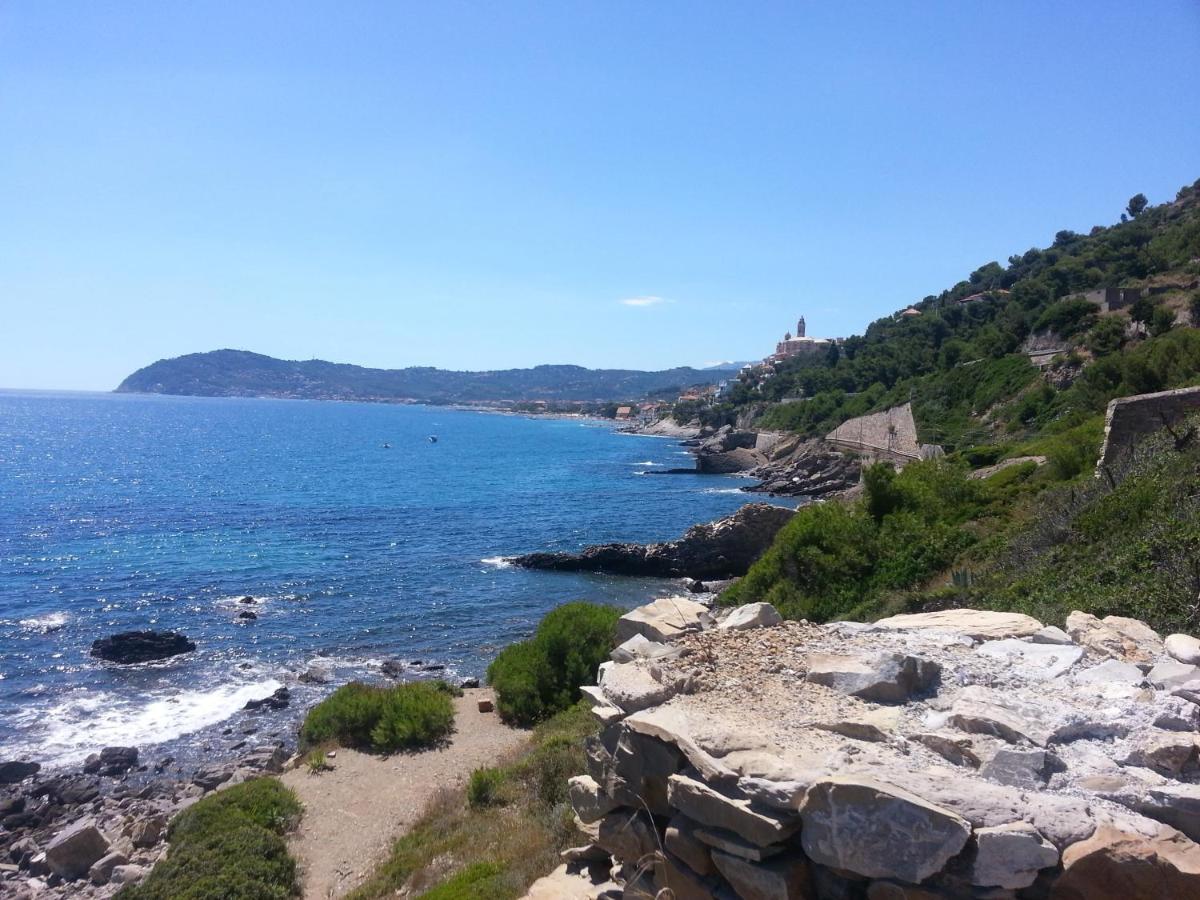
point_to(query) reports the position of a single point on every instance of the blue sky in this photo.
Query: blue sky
(481, 185)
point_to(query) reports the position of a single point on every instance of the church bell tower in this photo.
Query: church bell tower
(800, 327)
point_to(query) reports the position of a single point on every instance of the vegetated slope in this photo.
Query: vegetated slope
(1045, 539)
(238, 373)
(961, 362)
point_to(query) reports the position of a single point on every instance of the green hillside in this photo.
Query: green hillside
(1045, 539)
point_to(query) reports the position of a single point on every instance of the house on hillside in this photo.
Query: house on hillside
(1111, 299)
(624, 412)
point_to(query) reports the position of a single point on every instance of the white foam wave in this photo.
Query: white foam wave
(67, 732)
(497, 562)
(647, 462)
(47, 623)
(723, 491)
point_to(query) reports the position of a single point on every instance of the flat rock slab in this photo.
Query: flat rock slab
(1042, 660)
(707, 806)
(752, 615)
(878, 831)
(882, 678)
(666, 619)
(982, 711)
(980, 624)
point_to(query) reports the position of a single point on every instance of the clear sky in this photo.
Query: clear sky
(495, 184)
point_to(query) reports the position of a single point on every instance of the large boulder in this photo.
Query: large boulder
(752, 615)
(15, 771)
(786, 878)
(721, 549)
(884, 678)
(1183, 648)
(112, 761)
(72, 852)
(131, 647)
(663, 620)
(1118, 864)
(1118, 637)
(878, 831)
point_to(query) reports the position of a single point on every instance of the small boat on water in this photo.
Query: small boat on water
(433, 439)
(387, 446)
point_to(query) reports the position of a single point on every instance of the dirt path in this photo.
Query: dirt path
(352, 814)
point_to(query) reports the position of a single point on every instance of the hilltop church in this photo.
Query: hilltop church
(800, 345)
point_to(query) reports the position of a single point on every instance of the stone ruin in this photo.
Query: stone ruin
(955, 754)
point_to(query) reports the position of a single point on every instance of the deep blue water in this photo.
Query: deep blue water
(120, 512)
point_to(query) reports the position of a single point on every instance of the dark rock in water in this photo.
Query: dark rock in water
(247, 615)
(469, 683)
(717, 549)
(695, 586)
(278, 700)
(15, 771)
(247, 600)
(394, 668)
(433, 667)
(141, 646)
(111, 761)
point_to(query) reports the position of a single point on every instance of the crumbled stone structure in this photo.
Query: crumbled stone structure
(889, 435)
(956, 754)
(1129, 420)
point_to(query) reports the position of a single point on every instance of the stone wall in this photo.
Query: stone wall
(1131, 419)
(891, 434)
(958, 754)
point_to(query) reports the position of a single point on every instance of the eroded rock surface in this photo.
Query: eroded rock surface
(957, 753)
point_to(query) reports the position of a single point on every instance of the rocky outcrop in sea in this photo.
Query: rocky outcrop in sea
(954, 754)
(719, 549)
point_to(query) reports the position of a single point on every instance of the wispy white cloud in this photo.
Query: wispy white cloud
(645, 301)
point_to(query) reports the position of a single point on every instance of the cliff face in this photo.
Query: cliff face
(974, 754)
(237, 373)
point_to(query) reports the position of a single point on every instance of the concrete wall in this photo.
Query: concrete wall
(1131, 419)
(891, 434)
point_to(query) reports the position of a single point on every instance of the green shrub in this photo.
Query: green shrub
(478, 881)
(537, 678)
(834, 558)
(228, 846)
(381, 719)
(485, 788)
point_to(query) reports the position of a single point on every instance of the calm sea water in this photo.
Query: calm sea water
(123, 512)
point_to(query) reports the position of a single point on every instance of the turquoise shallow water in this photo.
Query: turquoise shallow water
(122, 511)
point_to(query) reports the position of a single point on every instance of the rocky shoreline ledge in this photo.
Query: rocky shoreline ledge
(961, 753)
(784, 465)
(721, 549)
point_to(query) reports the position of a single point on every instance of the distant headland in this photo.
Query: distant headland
(240, 373)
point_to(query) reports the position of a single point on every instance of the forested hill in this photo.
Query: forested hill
(966, 360)
(238, 373)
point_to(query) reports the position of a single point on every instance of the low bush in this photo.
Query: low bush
(228, 846)
(485, 788)
(537, 678)
(381, 719)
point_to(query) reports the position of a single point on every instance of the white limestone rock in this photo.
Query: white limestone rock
(1183, 648)
(1042, 660)
(979, 624)
(664, 620)
(752, 615)
(1010, 856)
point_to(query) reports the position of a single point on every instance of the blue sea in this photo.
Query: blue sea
(359, 538)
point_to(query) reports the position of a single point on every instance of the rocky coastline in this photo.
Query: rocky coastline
(783, 465)
(963, 753)
(713, 550)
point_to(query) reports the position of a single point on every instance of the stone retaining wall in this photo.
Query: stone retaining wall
(1131, 419)
(959, 754)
